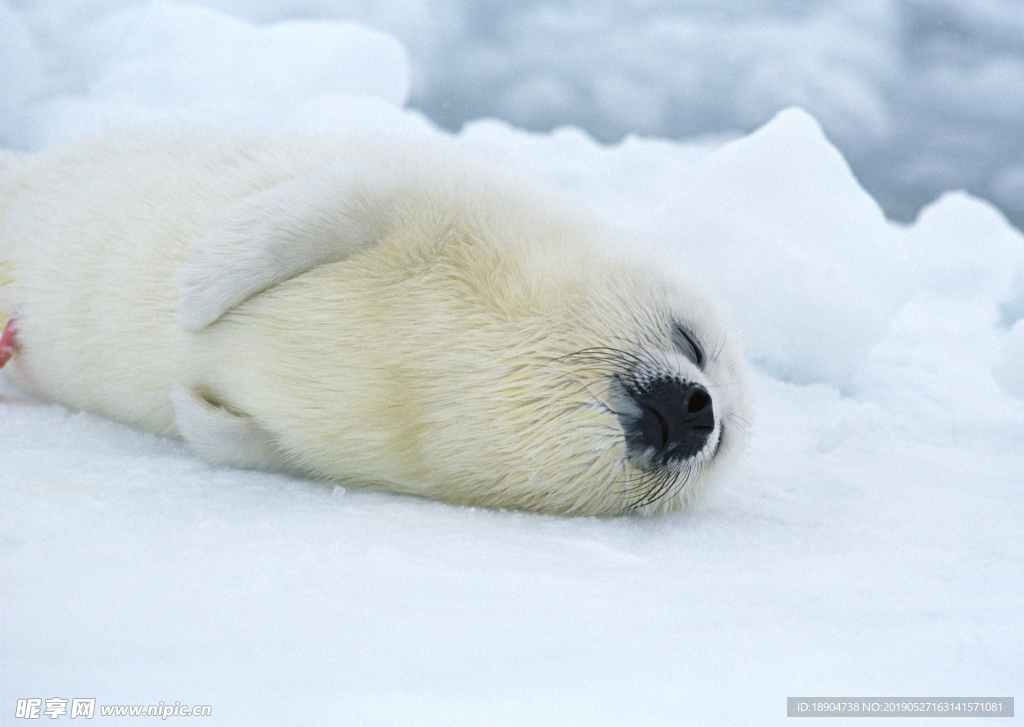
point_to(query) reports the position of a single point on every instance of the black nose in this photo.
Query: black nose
(671, 421)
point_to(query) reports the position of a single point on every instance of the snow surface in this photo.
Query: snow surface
(870, 543)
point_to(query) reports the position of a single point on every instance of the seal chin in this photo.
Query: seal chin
(668, 422)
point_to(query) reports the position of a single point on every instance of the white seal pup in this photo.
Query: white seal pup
(377, 314)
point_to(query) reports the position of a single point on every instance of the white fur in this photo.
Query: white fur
(383, 315)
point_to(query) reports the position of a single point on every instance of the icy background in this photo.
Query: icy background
(921, 96)
(870, 544)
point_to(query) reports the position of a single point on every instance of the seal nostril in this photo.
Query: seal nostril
(699, 400)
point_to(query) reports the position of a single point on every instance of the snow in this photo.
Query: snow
(869, 544)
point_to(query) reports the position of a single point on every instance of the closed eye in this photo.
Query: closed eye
(688, 344)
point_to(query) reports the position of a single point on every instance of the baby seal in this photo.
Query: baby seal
(382, 315)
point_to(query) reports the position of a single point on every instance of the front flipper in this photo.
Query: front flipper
(284, 231)
(222, 437)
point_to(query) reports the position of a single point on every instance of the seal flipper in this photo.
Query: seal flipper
(222, 437)
(279, 233)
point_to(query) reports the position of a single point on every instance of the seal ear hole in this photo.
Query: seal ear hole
(684, 339)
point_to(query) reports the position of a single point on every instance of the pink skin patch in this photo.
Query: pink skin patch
(7, 343)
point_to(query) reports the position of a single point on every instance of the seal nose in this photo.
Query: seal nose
(676, 418)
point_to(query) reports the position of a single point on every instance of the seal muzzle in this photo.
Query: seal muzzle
(671, 421)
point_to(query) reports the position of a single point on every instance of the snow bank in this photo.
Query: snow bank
(781, 224)
(1010, 369)
(163, 62)
(921, 97)
(869, 544)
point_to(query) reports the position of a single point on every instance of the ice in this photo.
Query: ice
(869, 543)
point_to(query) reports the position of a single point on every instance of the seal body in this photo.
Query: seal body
(377, 314)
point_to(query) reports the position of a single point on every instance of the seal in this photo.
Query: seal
(385, 315)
